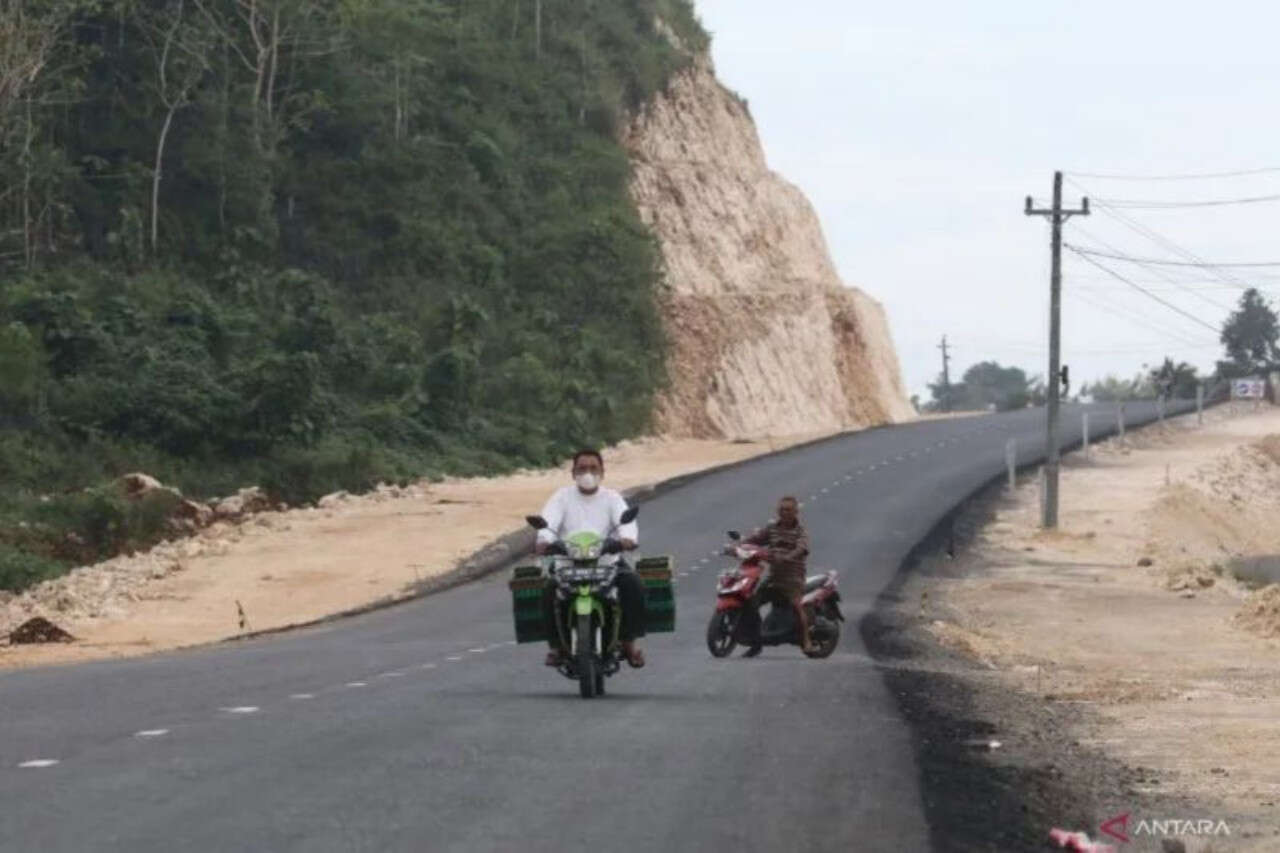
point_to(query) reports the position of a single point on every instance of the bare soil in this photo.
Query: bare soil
(278, 569)
(1128, 662)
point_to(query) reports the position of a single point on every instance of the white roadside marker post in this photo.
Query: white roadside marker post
(1200, 404)
(1011, 461)
(1085, 427)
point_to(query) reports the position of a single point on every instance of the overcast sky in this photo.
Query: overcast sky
(917, 129)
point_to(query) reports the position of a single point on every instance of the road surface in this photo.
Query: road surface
(423, 727)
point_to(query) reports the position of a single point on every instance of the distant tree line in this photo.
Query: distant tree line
(1250, 337)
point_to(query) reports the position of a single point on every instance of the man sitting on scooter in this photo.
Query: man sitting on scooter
(586, 505)
(788, 544)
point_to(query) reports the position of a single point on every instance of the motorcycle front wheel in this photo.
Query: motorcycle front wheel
(720, 631)
(586, 658)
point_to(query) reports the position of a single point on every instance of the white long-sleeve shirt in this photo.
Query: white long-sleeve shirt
(569, 511)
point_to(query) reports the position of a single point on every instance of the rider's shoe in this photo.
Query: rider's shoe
(633, 655)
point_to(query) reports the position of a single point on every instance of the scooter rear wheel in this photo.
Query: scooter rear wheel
(828, 644)
(720, 631)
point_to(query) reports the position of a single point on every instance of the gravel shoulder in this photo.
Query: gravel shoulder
(1126, 664)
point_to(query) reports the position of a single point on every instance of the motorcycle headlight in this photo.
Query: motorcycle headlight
(585, 552)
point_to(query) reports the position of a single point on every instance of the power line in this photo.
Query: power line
(1141, 289)
(1134, 225)
(1166, 277)
(1148, 204)
(1082, 250)
(1186, 177)
(1132, 316)
(1225, 276)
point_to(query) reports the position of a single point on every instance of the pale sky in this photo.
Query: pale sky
(917, 129)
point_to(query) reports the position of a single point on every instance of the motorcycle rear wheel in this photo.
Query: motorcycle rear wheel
(586, 658)
(720, 631)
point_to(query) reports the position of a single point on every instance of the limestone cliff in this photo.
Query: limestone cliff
(764, 337)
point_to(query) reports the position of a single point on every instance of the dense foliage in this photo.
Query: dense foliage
(317, 244)
(986, 385)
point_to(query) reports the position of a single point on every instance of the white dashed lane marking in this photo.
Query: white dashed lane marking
(391, 675)
(38, 762)
(454, 658)
(357, 684)
(427, 666)
(302, 696)
(242, 709)
(478, 651)
(152, 733)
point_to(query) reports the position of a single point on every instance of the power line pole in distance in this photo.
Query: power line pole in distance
(946, 375)
(1056, 216)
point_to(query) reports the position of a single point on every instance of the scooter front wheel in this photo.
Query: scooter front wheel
(720, 631)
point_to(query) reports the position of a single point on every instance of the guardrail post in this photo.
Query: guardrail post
(1011, 461)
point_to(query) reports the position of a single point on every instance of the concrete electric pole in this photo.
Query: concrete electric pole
(1056, 216)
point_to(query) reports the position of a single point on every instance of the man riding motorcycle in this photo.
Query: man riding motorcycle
(788, 544)
(588, 506)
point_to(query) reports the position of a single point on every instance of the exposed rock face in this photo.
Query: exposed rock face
(764, 337)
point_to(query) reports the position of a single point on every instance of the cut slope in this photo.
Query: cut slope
(764, 337)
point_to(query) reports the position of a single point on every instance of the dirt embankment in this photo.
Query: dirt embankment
(765, 338)
(275, 569)
(1128, 663)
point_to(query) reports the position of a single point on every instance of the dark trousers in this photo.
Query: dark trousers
(630, 598)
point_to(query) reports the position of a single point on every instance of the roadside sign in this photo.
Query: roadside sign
(1248, 389)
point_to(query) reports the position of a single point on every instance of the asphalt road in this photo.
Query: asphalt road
(423, 727)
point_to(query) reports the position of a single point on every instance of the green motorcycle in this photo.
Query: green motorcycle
(585, 568)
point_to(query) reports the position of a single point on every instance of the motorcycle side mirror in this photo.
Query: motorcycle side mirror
(629, 514)
(537, 522)
(734, 535)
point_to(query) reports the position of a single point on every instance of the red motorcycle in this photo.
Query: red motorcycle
(737, 615)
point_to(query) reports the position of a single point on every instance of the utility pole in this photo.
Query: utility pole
(1056, 216)
(946, 375)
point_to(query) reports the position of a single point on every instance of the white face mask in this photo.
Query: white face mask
(587, 481)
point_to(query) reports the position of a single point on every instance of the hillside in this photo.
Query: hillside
(318, 246)
(764, 336)
(315, 246)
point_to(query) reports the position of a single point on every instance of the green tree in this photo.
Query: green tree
(1176, 381)
(1250, 336)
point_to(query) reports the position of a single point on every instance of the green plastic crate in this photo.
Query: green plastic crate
(526, 586)
(656, 574)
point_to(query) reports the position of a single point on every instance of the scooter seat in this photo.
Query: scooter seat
(814, 582)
